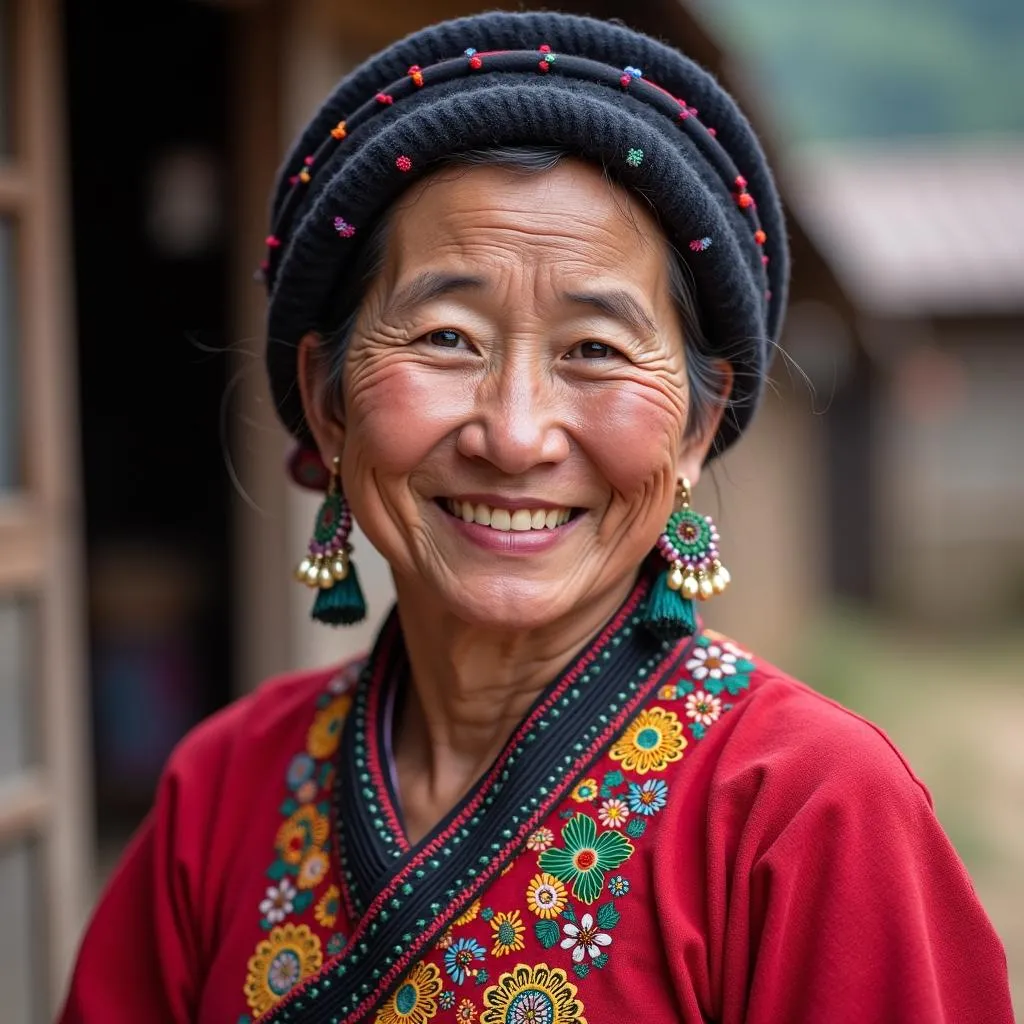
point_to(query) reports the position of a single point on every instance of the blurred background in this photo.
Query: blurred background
(872, 520)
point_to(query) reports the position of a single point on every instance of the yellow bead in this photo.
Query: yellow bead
(313, 575)
(339, 568)
(325, 580)
(691, 588)
(725, 575)
(302, 568)
(675, 578)
(706, 589)
(717, 583)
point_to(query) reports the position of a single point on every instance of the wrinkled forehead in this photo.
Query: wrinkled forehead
(570, 219)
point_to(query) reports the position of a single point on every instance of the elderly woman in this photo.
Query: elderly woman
(524, 273)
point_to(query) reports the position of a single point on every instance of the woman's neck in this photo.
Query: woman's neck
(470, 688)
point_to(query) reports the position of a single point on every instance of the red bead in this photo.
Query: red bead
(625, 80)
(308, 161)
(403, 163)
(542, 65)
(293, 180)
(544, 48)
(760, 237)
(741, 183)
(745, 200)
(712, 132)
(764, 260)
(273, 242)
(475, 62)
(383, 97)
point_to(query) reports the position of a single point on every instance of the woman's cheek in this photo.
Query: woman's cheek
(632, 434)
(400, 414)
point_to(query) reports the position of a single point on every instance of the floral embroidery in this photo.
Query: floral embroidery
(277, 904)
(532, 994)
(459, 958)
(326, 911)
(651, 742)
(545, 896)
(584, 939)
(507, 930)
(446, 1000)
(613, 813)
(336, 943)
(618, 886)
(304, 831)
(313, 869)
(586, 857)
(703, 708)
(466, 1013)
(325, 732)
(584, 791)
(446, 939)
(300, 770)
(415, 1000)
(540, 840)
(469, 914)
(711, 662)
(649, 797)
(667, 692)
(289, 954)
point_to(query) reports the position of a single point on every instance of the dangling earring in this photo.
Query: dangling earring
(695, 571)
(328, 567)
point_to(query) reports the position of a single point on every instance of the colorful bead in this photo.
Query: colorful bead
(469, 51)
(384, 99)
(544, 48)
(304, 176)
(632, 71)
(745, 200)
(273, 241)
(700, 244)
(343, 227)
(475, 62)
(339, 131)
(741, 183)
(416, 74)
(760, 237)
(634, 157)
(403, 163)
(713, 132)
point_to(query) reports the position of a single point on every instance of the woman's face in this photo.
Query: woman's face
(515, 394)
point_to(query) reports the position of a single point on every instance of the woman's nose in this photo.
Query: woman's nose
(516, 425)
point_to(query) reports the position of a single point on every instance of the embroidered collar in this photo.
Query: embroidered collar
(404, 895)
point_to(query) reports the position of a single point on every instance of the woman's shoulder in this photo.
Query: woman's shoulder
(280, 714)
(784, 734)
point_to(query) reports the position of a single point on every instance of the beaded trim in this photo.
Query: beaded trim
(619, 671)
(541, 60)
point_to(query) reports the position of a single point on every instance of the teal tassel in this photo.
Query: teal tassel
(343, 603)
(668, 614)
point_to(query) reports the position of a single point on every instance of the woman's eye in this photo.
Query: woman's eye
(446, 338)
(591, 350)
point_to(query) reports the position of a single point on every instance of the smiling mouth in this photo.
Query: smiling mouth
(505, 520)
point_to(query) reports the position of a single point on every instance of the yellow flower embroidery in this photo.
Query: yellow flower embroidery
(584, 791)
(305, 829)
(545, 896)
(313, 869)
(415, 1000)
(507, 931)
(326, 910)
(471, 913)
(288, 955)
(325, 732)
(538, 993)
(465, 1012)
(651, 742)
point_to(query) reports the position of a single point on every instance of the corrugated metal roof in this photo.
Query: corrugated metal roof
(917, 228)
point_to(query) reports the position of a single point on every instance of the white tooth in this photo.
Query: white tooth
(482, 515)
(537, 519)
(501, 520)
(551, 518)
(467, 512)
(521, 519)
(563, 517)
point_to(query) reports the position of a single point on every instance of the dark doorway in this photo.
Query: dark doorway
(147, 97)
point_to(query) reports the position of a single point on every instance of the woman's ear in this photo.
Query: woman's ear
(699, 440)
(327, 428)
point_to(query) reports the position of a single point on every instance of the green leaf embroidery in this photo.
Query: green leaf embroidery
(607, 916)
(613, 778)
(302, 900)
(600, 960)
(569, 914)
(547, 933)
(736, 684)
(636, 827)
(289, 807)
(277, 870)
(582, 970)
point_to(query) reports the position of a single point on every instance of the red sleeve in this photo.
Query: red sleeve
(846, 901)
(143, 953)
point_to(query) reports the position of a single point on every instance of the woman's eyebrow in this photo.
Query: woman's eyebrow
(618, 305)
(429, 285)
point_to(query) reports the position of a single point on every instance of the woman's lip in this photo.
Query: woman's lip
(511, 504)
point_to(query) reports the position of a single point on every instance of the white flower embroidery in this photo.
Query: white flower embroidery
(703, 707)
(277, 904)
(584, 939)
(613, 813)
(711, 663)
